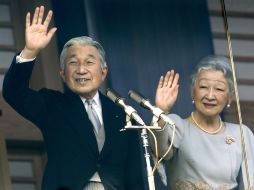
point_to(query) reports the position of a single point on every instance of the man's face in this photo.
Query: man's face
(83, 73)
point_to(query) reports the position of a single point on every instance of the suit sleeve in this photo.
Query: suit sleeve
(27, 102)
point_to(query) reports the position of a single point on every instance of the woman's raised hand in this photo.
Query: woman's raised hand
(167, 91)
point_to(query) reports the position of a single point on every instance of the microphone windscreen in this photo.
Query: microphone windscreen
(135, 96)
(114, 96)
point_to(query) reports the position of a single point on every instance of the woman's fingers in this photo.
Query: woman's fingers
(175, 80)
(171, 78)
(166, 79)
(160, 84)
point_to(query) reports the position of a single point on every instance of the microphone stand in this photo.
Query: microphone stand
(144, 138)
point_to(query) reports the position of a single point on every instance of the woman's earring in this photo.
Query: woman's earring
(228, 105)
(193, 102)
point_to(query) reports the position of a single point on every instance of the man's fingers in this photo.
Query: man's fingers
(41, 13)
(36, 14)
(51, 33)
(48, 19)
(28, 20)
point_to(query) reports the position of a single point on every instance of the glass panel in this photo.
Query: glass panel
(5, 13)
(246, 92)
(233, 5)
(21, 168)
(23, 186)
(240, 47)
(6, 36)
(6, 58)
(236, 25)
(1, 81)
(244, 70)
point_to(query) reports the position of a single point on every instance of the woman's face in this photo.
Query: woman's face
(210, 93)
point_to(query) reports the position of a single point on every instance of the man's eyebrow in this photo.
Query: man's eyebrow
(91, 56)
(71, 56)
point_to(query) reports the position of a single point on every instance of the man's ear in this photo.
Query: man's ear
(62, 75)
(104, 73)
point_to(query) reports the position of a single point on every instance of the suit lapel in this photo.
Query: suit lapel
(112, 125)
(80, 122)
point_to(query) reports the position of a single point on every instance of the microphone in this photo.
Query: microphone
(130, 111)
(137, 97)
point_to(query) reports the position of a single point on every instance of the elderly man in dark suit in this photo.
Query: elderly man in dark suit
(81, 126)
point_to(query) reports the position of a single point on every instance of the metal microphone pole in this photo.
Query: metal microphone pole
(145, 144)
(150, 176)
(132, 114)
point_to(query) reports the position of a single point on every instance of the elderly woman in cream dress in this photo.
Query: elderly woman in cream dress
(207, 151)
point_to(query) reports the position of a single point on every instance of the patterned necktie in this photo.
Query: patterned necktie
(93, 115)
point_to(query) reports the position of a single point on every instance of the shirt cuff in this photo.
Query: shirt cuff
(19, 59)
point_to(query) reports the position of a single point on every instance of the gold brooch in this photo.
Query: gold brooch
(229, 139)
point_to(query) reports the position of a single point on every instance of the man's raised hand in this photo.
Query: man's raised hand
(37, 34)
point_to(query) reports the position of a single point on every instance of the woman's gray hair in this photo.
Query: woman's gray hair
(83, 40)
(216, 63)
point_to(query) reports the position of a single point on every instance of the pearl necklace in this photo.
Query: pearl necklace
(209, 132)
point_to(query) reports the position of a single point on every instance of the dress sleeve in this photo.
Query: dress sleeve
(164, 137)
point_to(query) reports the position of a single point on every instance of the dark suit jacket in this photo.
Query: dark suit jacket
(71, 145)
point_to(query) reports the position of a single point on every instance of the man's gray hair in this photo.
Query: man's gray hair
(83, 40)
(216, 63)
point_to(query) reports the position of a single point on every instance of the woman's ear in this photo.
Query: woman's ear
(230, 99)
(192, 93)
